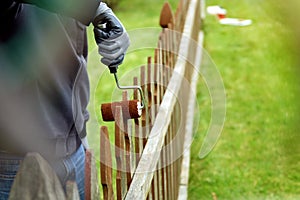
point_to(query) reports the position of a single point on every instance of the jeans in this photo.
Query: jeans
(8, 169)
(70, 168)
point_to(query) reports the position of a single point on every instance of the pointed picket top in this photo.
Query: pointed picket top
(166, 15)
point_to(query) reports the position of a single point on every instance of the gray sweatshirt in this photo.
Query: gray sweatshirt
(44, 86)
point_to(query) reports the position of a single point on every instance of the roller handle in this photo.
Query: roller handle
(113, 69)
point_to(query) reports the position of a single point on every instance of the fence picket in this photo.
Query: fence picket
(137, 135)
(144, 124)
(121, 176)
(106, 164)
(127, 133)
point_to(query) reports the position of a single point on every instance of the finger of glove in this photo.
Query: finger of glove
(117, 61)
(112, 55)
(106, 61)
(113, 51)
(122, 40)
(109, 46)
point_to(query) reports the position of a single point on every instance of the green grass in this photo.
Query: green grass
(257, 156)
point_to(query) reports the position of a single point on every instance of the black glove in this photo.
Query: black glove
(111, 37)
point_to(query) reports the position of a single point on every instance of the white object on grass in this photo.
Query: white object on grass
(235, 21)
(215, 10)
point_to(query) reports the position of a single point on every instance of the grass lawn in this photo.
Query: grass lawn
(257, 156)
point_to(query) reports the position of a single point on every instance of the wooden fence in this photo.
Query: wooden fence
(149, 152)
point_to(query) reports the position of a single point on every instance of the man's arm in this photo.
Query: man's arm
(112, 41)
(81, 10)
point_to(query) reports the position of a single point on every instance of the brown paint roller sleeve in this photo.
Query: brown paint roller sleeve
(131, 110)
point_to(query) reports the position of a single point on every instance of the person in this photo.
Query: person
(44, 86)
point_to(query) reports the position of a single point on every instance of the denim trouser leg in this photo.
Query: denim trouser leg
(8, 169)
(71, 168)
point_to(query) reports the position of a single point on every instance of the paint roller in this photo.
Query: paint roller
(131, 109)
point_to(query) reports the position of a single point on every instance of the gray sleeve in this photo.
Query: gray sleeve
(81, 10)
